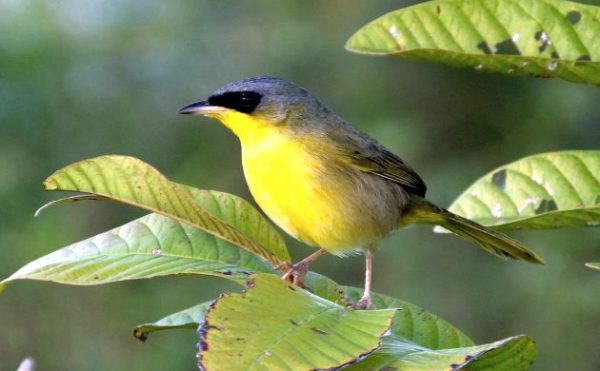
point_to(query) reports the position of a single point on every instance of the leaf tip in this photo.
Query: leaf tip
(50, 184)
(140, 334)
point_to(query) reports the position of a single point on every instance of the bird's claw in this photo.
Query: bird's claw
(296, 273)
(364, 303)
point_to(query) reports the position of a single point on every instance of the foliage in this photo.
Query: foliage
(544, 38)
(289, 327)
(551, 190)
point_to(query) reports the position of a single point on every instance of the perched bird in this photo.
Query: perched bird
(326, 183)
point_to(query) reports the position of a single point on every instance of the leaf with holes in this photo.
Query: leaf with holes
(411, 322)
(515, 353)
(275, 325)
(187, 318)
(543, 38)
(131, 181)
(550, 190)
(156, 245)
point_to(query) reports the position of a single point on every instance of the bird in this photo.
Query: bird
(326, 183)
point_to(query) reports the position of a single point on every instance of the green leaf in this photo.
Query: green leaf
(593, 265)
(515, 353)
(131, 181)
(544, 38)
(240, 214)
(275, 325)
(156, 245)
(415, 324)
(550, 190)
(417, 340)
(411, 322)
(187, 318)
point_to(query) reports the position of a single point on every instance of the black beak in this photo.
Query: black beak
(193, 108)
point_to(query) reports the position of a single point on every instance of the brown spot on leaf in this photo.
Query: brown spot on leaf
(319, 331)
(294, 322)
(438, 10)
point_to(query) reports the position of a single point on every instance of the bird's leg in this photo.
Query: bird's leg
(365, 301)
(297, 272)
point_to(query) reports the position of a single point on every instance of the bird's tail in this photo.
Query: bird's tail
(494, 242)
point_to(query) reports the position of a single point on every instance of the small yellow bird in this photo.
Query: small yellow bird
(326, 183)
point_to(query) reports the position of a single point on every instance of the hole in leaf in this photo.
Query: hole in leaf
(582, 59)
(544, 39)
(499, 179)
(546, 206)
(507, 47)
(484, 47)
(574, 17)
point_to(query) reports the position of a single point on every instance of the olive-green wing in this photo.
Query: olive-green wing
(367, 155)
(389, 166)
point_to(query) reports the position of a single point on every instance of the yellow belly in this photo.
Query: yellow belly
(315, 201)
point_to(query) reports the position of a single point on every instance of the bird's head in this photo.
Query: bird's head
(259, 102)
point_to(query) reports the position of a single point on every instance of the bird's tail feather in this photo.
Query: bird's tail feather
(494, 242)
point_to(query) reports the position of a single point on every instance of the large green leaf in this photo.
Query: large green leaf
(512, 354)
(551, 190)
(131, 181)
(156, 245)
(546, 38)
(275, 325)
(411, 322)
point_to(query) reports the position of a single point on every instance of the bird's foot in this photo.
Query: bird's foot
(297, 273)
(363, 303)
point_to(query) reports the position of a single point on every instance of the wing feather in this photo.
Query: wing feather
(367, 155)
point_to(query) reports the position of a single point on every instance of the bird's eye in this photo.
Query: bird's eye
(242, 101)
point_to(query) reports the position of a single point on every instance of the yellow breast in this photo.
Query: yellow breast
(308, 195)
(302, 185)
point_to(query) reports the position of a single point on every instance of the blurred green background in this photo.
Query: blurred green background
(84, 78)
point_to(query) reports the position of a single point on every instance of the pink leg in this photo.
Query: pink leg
(365, 301)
